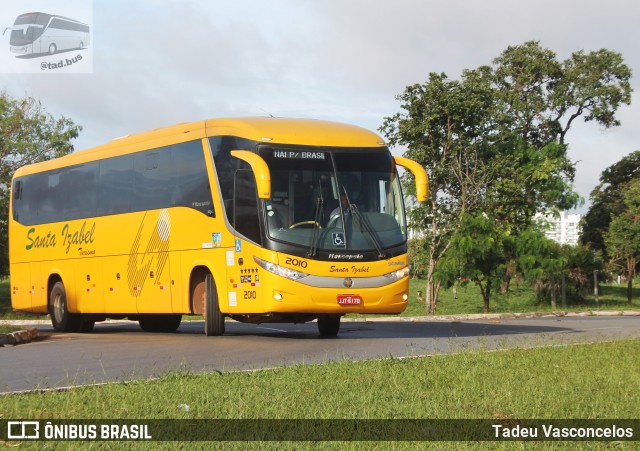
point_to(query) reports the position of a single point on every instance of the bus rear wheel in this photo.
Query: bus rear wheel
(160, 323)
(329, 325)
(213, 318)
(52, 49)
(62, 320)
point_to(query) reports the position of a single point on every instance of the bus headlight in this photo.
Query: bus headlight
(278, 270)
(399, 274)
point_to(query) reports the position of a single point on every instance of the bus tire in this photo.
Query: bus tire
(52, 49)
(160, 323)
(62, 320)
(86, 325)
(329, 325)
(213, 318)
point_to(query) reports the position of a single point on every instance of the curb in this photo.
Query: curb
(19, 337)
(32, 333)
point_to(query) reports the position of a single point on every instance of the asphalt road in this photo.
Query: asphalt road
(122, 351)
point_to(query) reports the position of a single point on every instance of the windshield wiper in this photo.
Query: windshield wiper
(366, 224)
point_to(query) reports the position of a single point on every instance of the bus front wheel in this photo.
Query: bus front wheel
(62, 320)
(52, 49)
(329, 325)
(213, 318)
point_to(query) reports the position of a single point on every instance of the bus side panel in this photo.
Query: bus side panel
(39, 295)
(155, 293)
(20, 281)
(89, 287)
(148, 268)
(243, 279)
(118, 297)
(178, 285)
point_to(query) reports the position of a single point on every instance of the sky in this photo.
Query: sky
(152, 63)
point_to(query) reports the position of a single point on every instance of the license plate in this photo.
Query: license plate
(349, 299)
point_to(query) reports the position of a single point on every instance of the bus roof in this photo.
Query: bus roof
(310, 132)
(273, 130)
(41, 18)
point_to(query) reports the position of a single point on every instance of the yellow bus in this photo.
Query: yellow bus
(256, 219)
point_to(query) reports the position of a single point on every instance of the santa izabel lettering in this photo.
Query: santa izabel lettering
(70, 236)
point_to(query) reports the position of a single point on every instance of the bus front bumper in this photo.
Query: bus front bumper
(390, 299)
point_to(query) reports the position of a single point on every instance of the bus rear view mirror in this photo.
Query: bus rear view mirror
(260, 171)
(422, 181)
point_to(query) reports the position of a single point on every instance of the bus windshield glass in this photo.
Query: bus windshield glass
(334, 200)
(27, 28)
(25, 35)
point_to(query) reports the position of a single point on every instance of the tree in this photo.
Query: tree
(541, 97)
(541, 260)
(623, 237)
(444, 121)
(495, 140)
(607, 199)
(478, 251)
(28, 134)
(582, 261)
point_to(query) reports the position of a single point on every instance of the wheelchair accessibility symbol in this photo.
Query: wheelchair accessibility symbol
(338, 239)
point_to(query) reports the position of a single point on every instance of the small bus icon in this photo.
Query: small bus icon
(21, 430)
(36, 33)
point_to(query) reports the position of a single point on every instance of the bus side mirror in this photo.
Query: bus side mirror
(260, 170)
(422, 181)
(5, 30)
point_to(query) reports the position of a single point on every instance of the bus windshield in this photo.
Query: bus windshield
(334, 200)
(27, 28)
(25, 35)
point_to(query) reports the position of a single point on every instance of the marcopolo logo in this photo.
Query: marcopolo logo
(57, 40)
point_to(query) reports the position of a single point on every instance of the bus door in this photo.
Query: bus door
(148, 269)
(242, 271)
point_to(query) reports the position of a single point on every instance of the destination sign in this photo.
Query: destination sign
(298, 154)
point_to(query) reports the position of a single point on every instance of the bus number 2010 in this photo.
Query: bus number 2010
(296, 262)
(250, 295)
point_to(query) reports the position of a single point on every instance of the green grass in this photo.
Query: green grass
(591, 381)
(4, 329)
(556, 382)
(520, 298)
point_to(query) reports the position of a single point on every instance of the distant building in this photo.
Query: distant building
(563, 229)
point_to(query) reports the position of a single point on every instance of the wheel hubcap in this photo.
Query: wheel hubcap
(58, 308)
